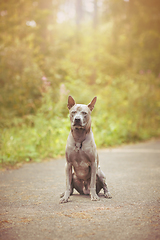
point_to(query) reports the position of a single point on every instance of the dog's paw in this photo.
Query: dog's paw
(107, 195)
(63, 200)
(62, 194)
(65, 197)
(94, 197)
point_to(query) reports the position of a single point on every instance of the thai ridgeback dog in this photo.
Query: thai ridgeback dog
(82, 164)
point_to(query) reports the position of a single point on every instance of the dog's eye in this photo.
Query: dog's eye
(74, 112)
(84, 113)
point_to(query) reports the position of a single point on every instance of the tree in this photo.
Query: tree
(79, 12)
(137, 22)
(95, 15)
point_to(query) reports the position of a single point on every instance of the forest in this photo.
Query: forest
(51, 49)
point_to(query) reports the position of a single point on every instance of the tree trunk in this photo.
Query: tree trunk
(79, 12)
(95, 15)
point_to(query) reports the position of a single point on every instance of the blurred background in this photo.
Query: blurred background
(50, 49)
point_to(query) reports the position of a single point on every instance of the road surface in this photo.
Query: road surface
(30, 209)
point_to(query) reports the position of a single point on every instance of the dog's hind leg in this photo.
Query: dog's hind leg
(101, 183)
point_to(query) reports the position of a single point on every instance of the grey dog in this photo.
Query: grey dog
(82, 164)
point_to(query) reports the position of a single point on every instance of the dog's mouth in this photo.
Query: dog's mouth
(77, 125)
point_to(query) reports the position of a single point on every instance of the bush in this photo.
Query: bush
(126, 111)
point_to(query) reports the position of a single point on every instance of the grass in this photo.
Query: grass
(47, 138)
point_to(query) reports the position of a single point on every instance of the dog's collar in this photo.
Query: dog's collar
(78, 139)
(78, 146)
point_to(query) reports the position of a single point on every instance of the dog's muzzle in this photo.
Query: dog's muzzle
(77, 122)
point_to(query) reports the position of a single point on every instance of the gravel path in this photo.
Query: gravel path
(30, 209)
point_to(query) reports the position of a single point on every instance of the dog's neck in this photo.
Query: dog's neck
(79, 134)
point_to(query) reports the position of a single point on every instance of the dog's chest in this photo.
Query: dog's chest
(81, 164)
(80, 158)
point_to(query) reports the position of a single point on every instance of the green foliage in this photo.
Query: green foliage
(19, 82)
(46, 139)
(126, 111)
(42, 62)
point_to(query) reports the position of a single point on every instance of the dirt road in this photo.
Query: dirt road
(30, 209)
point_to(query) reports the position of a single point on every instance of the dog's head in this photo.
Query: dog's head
(80, 114)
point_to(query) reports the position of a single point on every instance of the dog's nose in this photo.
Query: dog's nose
(77, 120)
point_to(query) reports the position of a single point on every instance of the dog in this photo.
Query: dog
(82, 164)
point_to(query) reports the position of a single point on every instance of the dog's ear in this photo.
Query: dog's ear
(92, 103)
(71, 102)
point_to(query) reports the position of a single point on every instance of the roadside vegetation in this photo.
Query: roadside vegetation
(42, 62)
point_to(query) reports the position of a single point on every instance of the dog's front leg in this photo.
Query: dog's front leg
(94, 196)
(68, 169)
